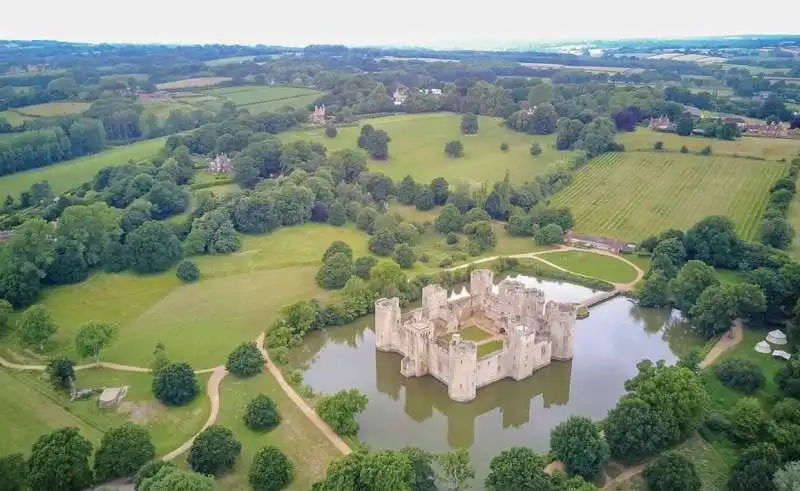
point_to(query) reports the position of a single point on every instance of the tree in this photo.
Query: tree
(340, 409)
(569, 132)
(755, 468)
(658, 146)
(776, 232)
(536, 149)
(454, 149)
(718, 306)
(331, 132)
(5, 310)
(271, 470)
(213, 451)
(363, 265)
(747, 420)
(788, 379)
(633, 430)
(441, 190)
(672, 471)
(685, 126)
(544, 119)
(150, 469)
(187, 271)
(449, 220)
(153, 247)
(93, 337)
(713, 240)
(261, 414)
(378, 145)
(245, 360)
(36, 327)
(684, 149)
(540, 93)
(175, 384)
(694, 277)
(424, 478)
(12, 473)
(366, 219)
(668, 257)
(60, 460)
(504, 147)
(597, 137)
(213, 233)
(653, 291)
(382, 243)
(787, 478)
(88, 229)
(386, 470)
(405, 256)
(335, 272)
(481, 237)
(469, 124)
(740, 374)
(170, 478)
(337, 247)
(337, 214)
(68, 266)
(455, 469)
(707, 150)
(578, 444)
(551, 233)
(123, 451)
(518, 468)
(61, 372)
(168, 199)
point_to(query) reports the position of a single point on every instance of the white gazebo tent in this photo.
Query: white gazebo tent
(776, 337)
(763, 347)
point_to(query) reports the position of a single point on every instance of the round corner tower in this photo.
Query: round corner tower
(561, 319)
(463, 370)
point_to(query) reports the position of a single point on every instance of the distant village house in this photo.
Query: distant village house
(221, 164)
(400, 96)
(662, 123)
(318, 116)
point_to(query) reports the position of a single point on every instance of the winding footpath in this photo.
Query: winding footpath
(218, 373)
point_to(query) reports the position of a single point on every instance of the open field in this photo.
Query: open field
(124, 77)
(767, 148)
(417, 148)
(54, 109)
(757, 70)
(261, 98)
(229, 61)
(601, 267)
(295, 102)
(592, 69)
(189, 83)
(296, 436)
(13, 117)
(631, 196)
(71, 173)
(31, 407)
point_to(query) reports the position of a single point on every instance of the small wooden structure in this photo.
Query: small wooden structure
(111, 396)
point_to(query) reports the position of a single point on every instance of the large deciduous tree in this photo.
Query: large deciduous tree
(339, 410)
(517, 468)
(719, 305)
(214, 451)
(36, 327)
(469, 124)
(93, 337)
(153, 247)
(672, 471)
(261, 414)
(271, 470)
(755, 469)
(245, 360)
(123, 450)
(175, 384)
(60, 460)
(455, 469)
(694, 277)
(713, 240)
(577, 442)
(13, 475)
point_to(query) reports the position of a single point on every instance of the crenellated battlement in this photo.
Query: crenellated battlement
(533, 332)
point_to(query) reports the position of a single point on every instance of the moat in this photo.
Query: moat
(417, 411)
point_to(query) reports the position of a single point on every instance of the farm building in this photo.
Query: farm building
(318, 116)
(662, 123)
(221, 164)
(594, 242)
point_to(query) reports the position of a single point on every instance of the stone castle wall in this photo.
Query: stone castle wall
(536, 333)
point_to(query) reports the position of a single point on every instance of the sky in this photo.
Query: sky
(432, 23)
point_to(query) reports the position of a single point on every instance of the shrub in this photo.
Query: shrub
(187, 271)
(536, 149)
(335, 271)
(122, 452)
(451, 239)
(454, 149)
(684, 149)
(404, 256)
(672, 471)
(271, 470)
(340, 409)
(363, 265)
(747, 420)
(658, 146)
(214, 450)
(149, 470)
(331, 131)
(245, 360)
(175, 384)
(739, 374)
(446, 262)
(424, 258)
(577, 442)
(382, 243)
(504, 147)
(261, 414)
(706, 150)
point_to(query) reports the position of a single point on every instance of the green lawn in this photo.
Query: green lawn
(296, 436)
(66, 175)
(30, 407)
(229, 61)
(295, 102)
(490, 347)
(417, 148)
(14, 118)
(54, 109)
(474, 333)
(595, 265)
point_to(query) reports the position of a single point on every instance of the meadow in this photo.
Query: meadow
(71, 173)
(261, 98)
(762, 148)
(417, 149)
(189, 83)
(631, 196)
(229, 61)
(589, 264)
(54, 109)
(14, 118)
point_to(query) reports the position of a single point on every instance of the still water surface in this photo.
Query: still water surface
(417, 412)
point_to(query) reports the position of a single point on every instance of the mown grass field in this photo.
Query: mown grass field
(54, 109)
(605, 268)
(633, 195)
(30, 407)
(262, 98)
(296, 436)
(766, 148)
(71, 173)
(229, 61)
(417, 148)
(189, 83)
(14, 118)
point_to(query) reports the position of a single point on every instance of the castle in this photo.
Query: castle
(430, 338)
